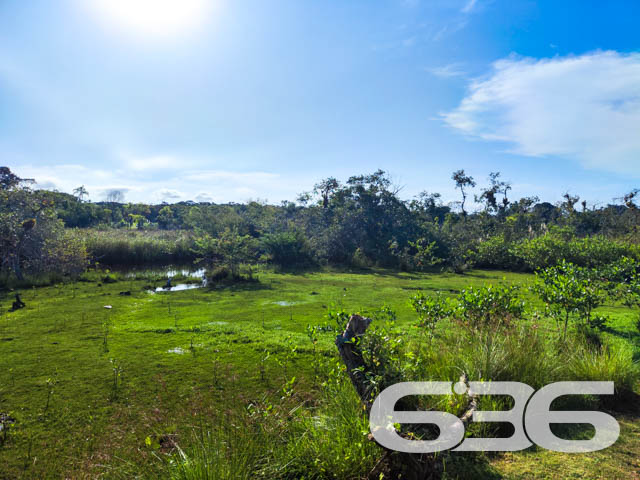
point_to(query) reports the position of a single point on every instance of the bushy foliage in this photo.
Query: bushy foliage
(497, 252)
(551, 249)
(230, 250)
(570, 291)
(32, 239)
(489, 308)
(287, 249)
(431, 310)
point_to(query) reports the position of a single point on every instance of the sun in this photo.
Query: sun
(153, 17)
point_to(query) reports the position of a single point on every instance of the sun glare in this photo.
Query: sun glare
(153, 17)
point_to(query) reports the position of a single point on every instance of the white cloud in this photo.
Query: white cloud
(218, 176)
(409, 42)
(204, 197)
(209, 185)
(447, 71)
(585, 108)
(468, 7)
(169, 195)
(153, 162)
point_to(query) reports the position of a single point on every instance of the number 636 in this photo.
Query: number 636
(530, 417)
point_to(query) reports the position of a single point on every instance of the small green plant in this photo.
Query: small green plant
(340, 317)
(287, 388)
(312, 333)
(290, 353)
(116, 383)
(263, 361)
(105, 334)
(216, 368)
(430, 311)
(50, 384)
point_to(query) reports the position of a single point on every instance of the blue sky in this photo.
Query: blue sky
(253, 99)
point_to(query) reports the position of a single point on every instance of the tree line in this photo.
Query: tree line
(361, 222)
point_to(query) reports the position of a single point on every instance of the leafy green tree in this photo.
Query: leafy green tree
(9, 180)
(288, 249)
(463, 182)
(229, 250)
(80, 193)
(32, 238)
(569, 291)
(325, 189)
(425, 255)
(490, 194)
(165, 217)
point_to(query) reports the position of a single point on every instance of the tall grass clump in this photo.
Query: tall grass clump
(229, 450)
(129, 247)
(328, 442)
(609, 362)
(286, 439)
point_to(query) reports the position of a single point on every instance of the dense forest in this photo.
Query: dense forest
(360, 223)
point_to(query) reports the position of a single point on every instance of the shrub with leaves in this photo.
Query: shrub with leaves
(489, 308)
(430, 311)
(570, 291)
(487, 312)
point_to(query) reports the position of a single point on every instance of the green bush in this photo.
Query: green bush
(569, 291)
(550, 249)
(496, 252)
(288, 249)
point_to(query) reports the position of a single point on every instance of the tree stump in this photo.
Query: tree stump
(396, 465)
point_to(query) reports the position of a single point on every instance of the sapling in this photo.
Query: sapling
(50, 384)
(312, 333)
(568, 290)
(105, 337)
(216, 368)
(430, 311)
(287, 388)
(116, 384)
(290, 352)
(632, 295)
(263, 361)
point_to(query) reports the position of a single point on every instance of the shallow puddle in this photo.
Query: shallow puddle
(178, 288)
(284, 303)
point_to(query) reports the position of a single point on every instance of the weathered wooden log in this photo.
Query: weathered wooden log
(394, 464)
(17, 304)
(351, 355)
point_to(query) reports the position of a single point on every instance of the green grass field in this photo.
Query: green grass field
(91, 387)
